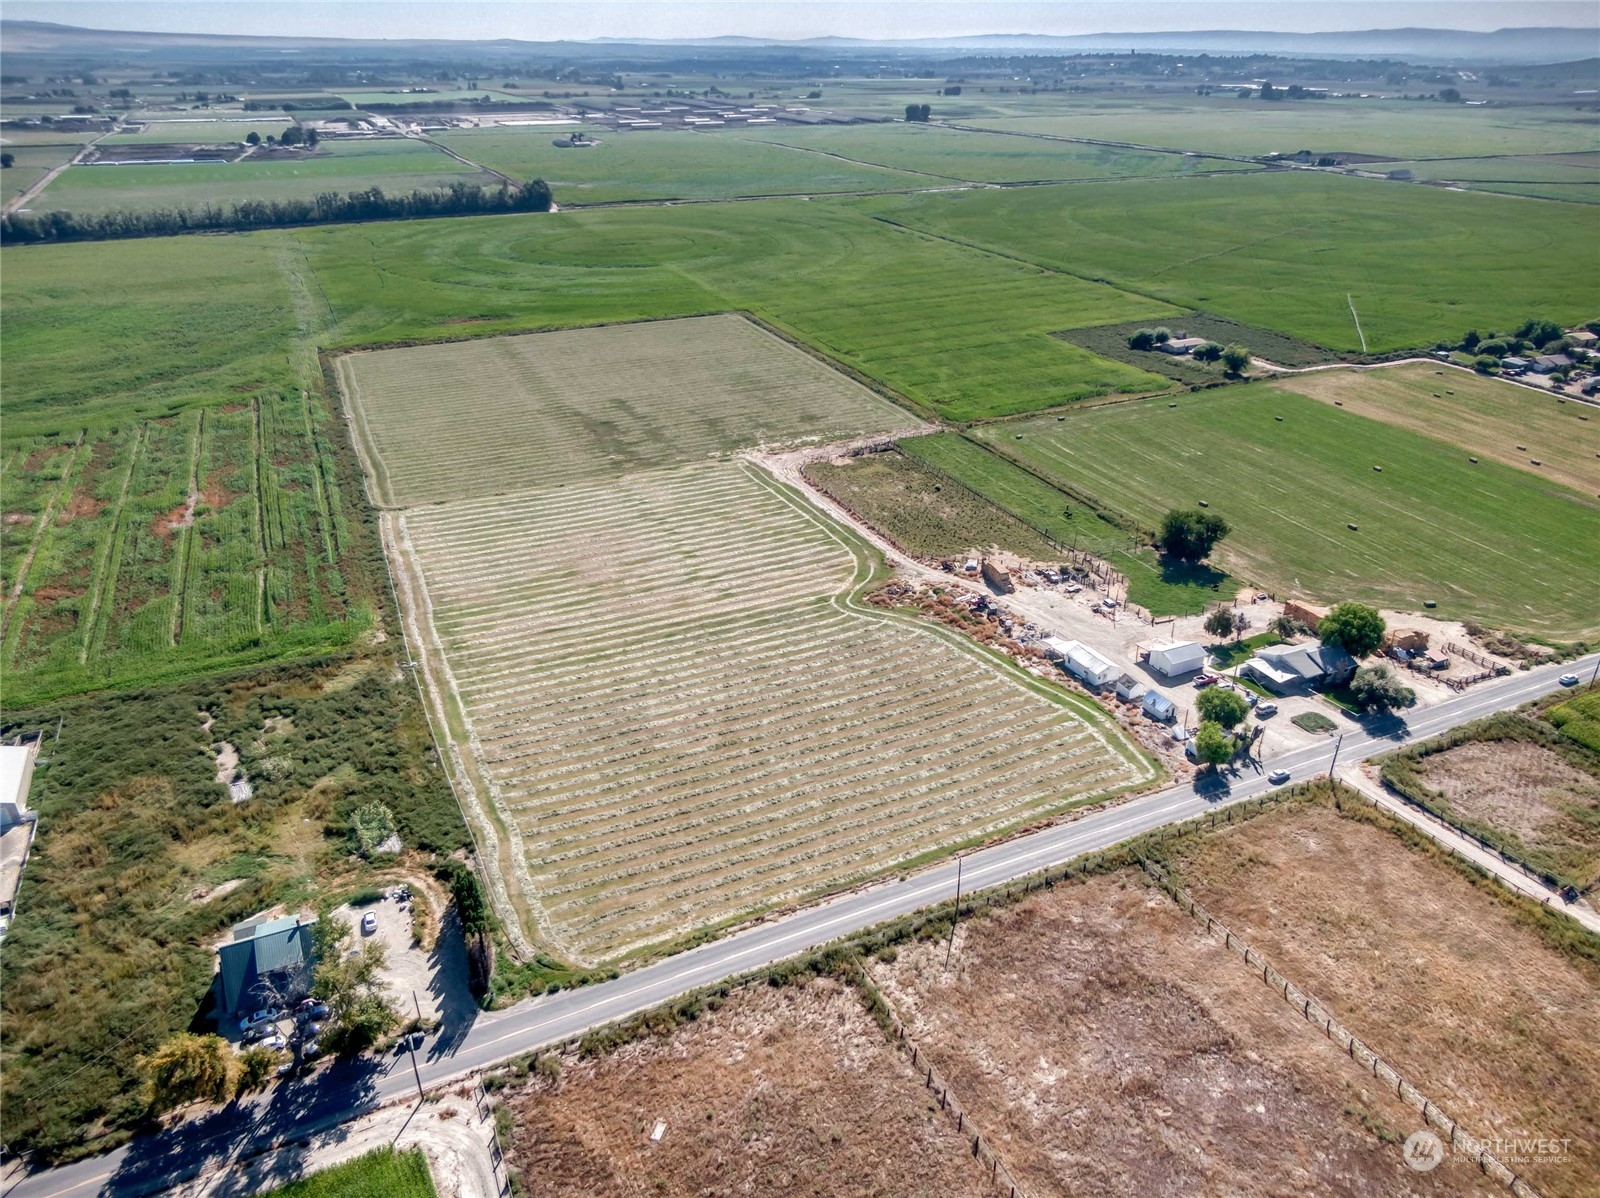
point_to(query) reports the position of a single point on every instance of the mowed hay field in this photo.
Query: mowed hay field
(677, 710)
(1438, 976)
(511, 413)
(1489, 418)
(790, 1090)
(1105, 1045)
(1290, 474)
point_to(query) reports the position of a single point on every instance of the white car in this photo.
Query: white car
(1278, 777)
(273, 1043)
(1263, 710)
(369, 923)
(1568, 680)
(256, 1019)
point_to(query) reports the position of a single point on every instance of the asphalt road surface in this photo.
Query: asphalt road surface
(348, 1089)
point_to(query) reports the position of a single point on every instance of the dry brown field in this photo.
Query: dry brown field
(1105, 1045)
(789, 1091)
(1473, 1006)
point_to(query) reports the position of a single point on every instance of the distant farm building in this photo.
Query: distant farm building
(1178, 346)
(1177, 658)
(1583, 338)
(1514, 365)
(1550, 362)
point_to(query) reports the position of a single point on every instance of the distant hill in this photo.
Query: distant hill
(1523, 45)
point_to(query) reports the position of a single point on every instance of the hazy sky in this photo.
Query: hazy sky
(548, 19)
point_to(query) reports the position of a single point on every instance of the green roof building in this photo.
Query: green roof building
(274, 951)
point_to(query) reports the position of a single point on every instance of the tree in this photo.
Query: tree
(1450, 95)
(359, 1013)
(1375, 688)
(1220, 622)
(918, 112)
(292, 136)
(187, 1068)
(1268, 92)
(1470, 341)
(1209, 352)
(252, 138)
(1189, 534)
(1212, 746)
(1485, 364)
(374, 825)
(1226, 709)
(312, 137)
(1235, 358)
(1539, 332)
(1142, 339)
(1353, 627)
(1161, 334)
(7, 161)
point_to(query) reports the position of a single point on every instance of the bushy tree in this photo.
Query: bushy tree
(1539, 332)
(1161, 334)
(1375, 688)
(1220, 622)
(918, 112)
(1212, 745)
(1470, 341)
(359, 1013)
(188, 1068)
(1209, 352)
(1486, 364)
(7, 161)
(1142, 339)
(1235, 358)
(374, 824)
(1225, 708)
(1450, 95)
(1496, 347)
(1354, 627)
(252, 138)
(1188, 534)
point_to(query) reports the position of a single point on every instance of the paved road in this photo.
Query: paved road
(350, 1089)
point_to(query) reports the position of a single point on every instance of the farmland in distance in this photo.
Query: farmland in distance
(668, 704)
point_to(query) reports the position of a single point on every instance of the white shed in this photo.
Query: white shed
(1176, 658)
(1086, 665)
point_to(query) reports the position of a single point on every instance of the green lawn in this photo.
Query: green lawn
(1484, 541)
(664, 164)
(982, 157)
(1290, 250)
(394, 166)
(1224, 124)
(225, 127)
(384, 1173)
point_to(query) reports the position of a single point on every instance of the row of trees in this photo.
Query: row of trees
(294, 135)
(459, 199)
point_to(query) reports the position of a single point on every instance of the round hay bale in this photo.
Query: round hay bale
(1279, 419)
(1202, 503)
(1172, 405)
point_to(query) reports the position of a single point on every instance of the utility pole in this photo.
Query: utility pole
(1592, 678)
(1334, 764)
(955, 918)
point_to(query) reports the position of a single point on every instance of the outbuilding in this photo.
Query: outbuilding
(1129, 688)
(1084, 664)
(1178, 346)
(1177, 658)
(276, 952)
(1158, 707)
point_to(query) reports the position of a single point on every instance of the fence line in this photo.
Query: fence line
(1000, 1177)
(1320, 1015)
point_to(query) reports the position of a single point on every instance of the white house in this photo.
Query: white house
(1086, 665)
(1176, 658)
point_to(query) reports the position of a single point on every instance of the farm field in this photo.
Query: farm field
(1224, 124)
(168, 547)
(909, 324)
(381, 1174)
(1478, 1007)
(33, 162)
(1559, 176)
(924, 512)
(775, 1090)
(959, 154)
(1514, 783)
(1290, 474)
(1106, 1045)
(1285, 250)
(1579, 718)
(394, 166)
(680, 614)
(1489, 418)
(664, 164)
(164, 130)
(556, 408)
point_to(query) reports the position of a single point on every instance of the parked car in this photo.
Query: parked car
(1108, 605)
(1278, 777)
(1263, 710)
(312, 1031)
(1071, 588)
(1251, 698)
(261, 1031)
(312, 1009)
(266, 1015)
(369, 923)
(1569, 680)
(275, 1043)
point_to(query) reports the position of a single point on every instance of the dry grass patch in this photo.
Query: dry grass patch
(1487, 417)
(789, 1091)
(1474, 1007)
(1106, 1046)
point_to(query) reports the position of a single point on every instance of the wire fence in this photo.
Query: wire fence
(1318, 1014)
